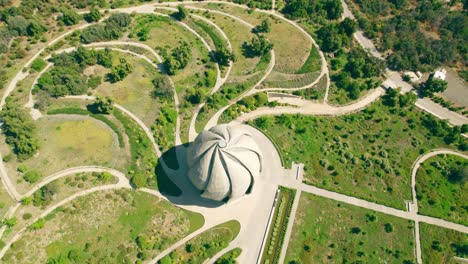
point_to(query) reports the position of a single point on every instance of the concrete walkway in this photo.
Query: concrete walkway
(307, 107)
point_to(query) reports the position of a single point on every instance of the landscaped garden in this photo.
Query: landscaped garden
(205, 245)
(440, 245)
(367, 154)
(116, 226)
(122, 86)
(441, 188)
(329, 231)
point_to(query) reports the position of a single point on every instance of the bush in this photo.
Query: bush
(32, 176)
(257, 47)
(69, 17)
(27, 216)
(38, 65)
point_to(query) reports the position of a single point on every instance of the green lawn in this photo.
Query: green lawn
(439, 196)
(368, 154)
(205, 245)
(327, 231)
(440, 245)
(112, 226)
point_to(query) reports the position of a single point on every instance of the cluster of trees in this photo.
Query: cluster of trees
(120, 71)
(20, 26)
(22, 20)
(104, 105)
(431, 86)
(440, 128)
(257, 46)
(336, 35)
(113, 28)
(65, 77)
(224, 56)
(69, 17)
(393, 98)
(314, 10)
(19, 130)
(264, 27)
(401, 34)
(93, 16)
(260, 4)
(178, 58)
(162, 88)
(358, 73)
(181, 13)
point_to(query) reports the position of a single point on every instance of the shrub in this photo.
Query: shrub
(27, 216)
(32, 176)
(38, 65)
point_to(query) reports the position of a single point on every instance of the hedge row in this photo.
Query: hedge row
(278, 229)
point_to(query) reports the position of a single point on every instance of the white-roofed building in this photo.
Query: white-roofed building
(223, 162)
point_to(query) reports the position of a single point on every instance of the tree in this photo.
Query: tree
(38, 64)
(458, 174)
(388, 228)
(181, 13)
(334, 9)
(431, 86)
(104, 58)
(258, 46)
(166, 260)
(104, 105)
(70, 17)
(178, 59)
(139, 180)
(329, 38)
(122, 20)
(224, 56)
(120, 71)
(94, 15)
(18, 25)
(32, 176)
(36, 28)
(264, 27)
(349, 26)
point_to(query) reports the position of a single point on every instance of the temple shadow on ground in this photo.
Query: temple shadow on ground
(177, 187)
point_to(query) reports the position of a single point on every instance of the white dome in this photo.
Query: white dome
(224, 162)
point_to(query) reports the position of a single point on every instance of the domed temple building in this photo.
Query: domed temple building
(224, 162)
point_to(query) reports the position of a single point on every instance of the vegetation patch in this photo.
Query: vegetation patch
(440, 245)
(441, 188)
(205, 245)
(118, 226)
(229, 257)
(328, 231)
(367, 154)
